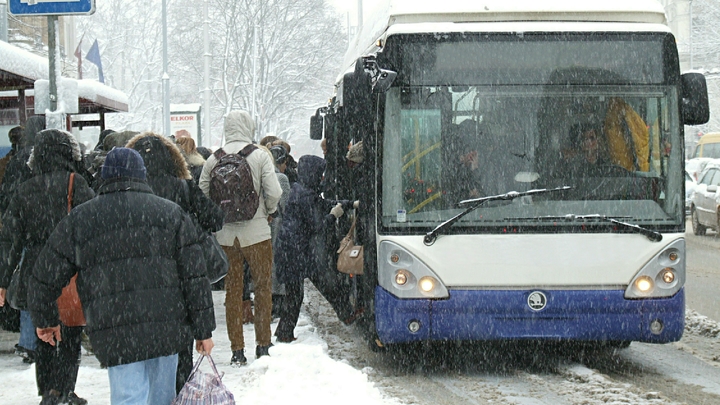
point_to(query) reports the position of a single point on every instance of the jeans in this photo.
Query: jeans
(28, 336)
(147, 382)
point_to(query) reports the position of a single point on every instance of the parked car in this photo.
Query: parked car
(708, 146)
(695, 166)
(690, 185)
(705, 200)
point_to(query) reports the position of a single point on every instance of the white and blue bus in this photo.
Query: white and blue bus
(483, 217)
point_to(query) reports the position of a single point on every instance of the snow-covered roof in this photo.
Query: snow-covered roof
(20, 68)
(99, 93)
(393, 12)
(22, 63)
(193, 107)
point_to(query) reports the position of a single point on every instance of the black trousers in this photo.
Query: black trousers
(56, 367)
(329, 284)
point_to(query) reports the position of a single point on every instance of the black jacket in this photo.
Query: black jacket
(301, 239)
(39, 204)
(17, 170)
(169, 178)
(141, 274)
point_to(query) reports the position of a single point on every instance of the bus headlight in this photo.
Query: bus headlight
(403, 275)
(427, 284)
(662, 276)
(644, 284)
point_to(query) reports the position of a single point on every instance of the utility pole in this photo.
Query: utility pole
(3, 21)
(360, 15)
(52, 58)
(165, 75)
(254, 76)
(691, 41)
(207, 57)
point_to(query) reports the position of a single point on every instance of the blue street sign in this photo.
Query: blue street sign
(51, 7)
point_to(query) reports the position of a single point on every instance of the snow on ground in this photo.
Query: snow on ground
(303, 372)
(700, 324)
(300, 372)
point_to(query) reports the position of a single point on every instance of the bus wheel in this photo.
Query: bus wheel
(698, 229)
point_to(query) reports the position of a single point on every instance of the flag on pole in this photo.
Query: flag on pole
(93, 56)
(78, 55)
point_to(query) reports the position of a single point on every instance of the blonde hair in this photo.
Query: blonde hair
(186, 144)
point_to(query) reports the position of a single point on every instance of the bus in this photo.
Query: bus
(523, 172)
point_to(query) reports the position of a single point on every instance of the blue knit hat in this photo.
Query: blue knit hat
(123, 162)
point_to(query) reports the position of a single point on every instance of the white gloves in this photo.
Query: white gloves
(337, 211)
(356, 204)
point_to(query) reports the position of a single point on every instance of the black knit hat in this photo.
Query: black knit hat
(123, 162)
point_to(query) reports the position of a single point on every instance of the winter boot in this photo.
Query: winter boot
(51, 397)
(248, 316)
(238, 358)
(73, 399)
(262, 351)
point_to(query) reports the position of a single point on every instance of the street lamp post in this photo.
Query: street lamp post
(165, 76)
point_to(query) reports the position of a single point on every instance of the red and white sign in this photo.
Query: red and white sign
(184, 125)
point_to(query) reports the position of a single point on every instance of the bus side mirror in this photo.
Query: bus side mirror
(316, 126)
(695, 105)
(357, 90)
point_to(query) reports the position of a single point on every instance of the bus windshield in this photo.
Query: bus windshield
(615, 141)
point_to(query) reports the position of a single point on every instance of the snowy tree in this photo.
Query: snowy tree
(129, 37)
(299, 46)
(292, 50)
(704, 48)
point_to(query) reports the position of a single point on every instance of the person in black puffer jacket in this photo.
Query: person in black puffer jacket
(141, 280)
(37, 206)
(169, 178)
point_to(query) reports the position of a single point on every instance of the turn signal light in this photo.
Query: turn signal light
(401, 278)
(668, 276)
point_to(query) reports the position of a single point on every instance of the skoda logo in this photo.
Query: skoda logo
(537, 300)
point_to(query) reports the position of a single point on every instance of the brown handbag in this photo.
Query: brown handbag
(350, 255)
(69, 305)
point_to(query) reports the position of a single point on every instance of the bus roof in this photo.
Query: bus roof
(393, 12)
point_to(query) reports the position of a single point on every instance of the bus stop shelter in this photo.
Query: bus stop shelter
(19, 69)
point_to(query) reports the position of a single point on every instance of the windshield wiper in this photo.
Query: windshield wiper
(475, 203)
(650, 234)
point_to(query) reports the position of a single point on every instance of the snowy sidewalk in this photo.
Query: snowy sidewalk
(296, 373)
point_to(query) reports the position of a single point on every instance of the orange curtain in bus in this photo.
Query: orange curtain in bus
(625, 148)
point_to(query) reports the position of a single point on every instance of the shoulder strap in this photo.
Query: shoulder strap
(351, 232)
(246, 151)
(219, 154)
(70, 191)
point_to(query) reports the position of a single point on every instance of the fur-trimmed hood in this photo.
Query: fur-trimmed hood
(194, 159)
(161, 155)
(54, 149)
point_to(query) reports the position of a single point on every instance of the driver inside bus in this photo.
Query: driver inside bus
(588, 157)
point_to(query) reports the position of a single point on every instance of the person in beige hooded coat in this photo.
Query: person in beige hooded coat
(248, 241)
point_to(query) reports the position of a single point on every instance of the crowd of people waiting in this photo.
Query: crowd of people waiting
(127, 220)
